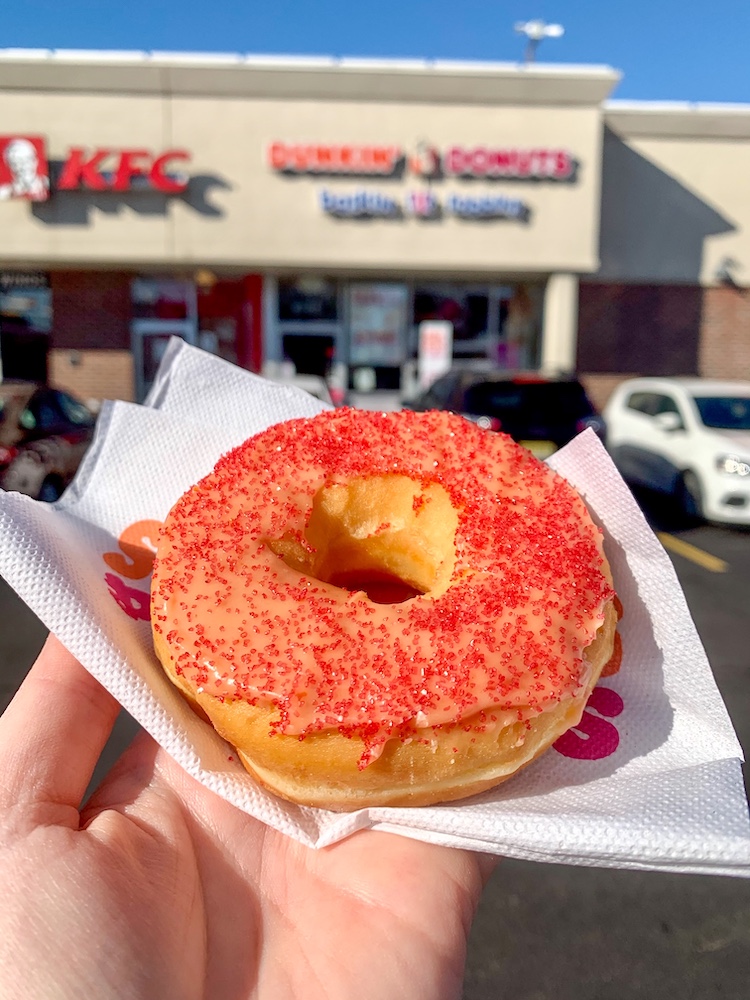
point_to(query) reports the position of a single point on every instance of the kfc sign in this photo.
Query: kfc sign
(108, 169)
(23, 168)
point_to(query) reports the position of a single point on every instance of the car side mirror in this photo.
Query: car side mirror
(669, 421)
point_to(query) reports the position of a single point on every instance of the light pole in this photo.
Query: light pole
(535, 31)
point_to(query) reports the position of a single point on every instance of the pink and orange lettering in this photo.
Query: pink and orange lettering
(134, 602)
(594, 737)
(138, 547)
(134, 561)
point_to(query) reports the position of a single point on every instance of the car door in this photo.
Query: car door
(640, 444)
(672, 441)
(438, 395)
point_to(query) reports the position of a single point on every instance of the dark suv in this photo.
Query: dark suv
(44, 434)
(542, 413)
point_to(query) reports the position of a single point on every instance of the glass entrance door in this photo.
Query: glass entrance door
(149, 339)
(309, 324)
(162, 308)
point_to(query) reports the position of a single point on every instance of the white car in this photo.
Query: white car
(685, 436)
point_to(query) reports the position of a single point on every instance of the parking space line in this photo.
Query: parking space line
(712, 563)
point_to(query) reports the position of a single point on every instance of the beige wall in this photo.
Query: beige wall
(670, 182)
(249, 217)
(85, 227)
(675, 206)
(277, 219)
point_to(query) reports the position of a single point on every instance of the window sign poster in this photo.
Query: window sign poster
(435, 350)
(377, 324)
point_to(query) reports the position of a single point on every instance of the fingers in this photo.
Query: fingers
(53, 732)
(487, 864)
(124, 782)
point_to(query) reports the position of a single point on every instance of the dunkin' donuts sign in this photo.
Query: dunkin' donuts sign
(24, 170)
(519, 164)
(308, 158)
(486, 162)
(366, 162)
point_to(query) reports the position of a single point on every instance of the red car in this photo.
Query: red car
(44, 434)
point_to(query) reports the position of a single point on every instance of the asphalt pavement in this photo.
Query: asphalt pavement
(551, 932)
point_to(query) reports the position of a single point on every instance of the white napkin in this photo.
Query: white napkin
(667, 795)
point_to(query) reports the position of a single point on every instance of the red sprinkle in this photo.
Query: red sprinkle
(526, 597)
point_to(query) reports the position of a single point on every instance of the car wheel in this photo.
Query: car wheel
(689, 496)
(50, 490)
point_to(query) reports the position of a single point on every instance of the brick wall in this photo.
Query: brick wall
(725, 333)
(93, 375)
(639, 329)
(90, 309)
(600, 387)
(628, 330)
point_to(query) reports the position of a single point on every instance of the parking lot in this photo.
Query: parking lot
(548, 931)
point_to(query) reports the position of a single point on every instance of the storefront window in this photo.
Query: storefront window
(26, 302)
(162, 308)
(519, 327)
(377, 324)
(307, 300)
(163, 298)
(467, 309)
(499, 324)
(25, 324)
(153, 349)
(222, 315)
(378, 315)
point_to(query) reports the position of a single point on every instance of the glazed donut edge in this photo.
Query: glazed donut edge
(383, 609)
(444, 764)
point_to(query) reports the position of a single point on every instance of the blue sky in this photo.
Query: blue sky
(666, 49)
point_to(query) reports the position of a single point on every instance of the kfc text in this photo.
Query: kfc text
(123, 170)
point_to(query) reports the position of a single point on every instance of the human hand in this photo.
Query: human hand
(159, 888)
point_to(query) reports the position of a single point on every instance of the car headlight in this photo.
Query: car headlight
(732, 465)
(594, 422)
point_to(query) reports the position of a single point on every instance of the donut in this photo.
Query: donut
(382, 608)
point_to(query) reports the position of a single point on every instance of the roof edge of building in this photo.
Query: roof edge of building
(678, 119)
(305, 77)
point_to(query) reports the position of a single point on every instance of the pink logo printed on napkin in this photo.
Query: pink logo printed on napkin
(593, 737)
(134, 561)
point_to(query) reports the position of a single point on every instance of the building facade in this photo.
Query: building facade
(345, 215)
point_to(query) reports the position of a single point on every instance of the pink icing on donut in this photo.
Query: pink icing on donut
(504, 640)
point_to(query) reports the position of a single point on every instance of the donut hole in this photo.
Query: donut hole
(389, 536)
(380, 587)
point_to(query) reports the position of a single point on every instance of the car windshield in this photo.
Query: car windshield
(74, 410)
(726, 413)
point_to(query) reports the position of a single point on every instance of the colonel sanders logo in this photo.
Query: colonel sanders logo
(23, 168)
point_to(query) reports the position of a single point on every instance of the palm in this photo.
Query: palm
(162, 889)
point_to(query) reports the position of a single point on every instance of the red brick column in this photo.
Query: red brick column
(724, 350)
